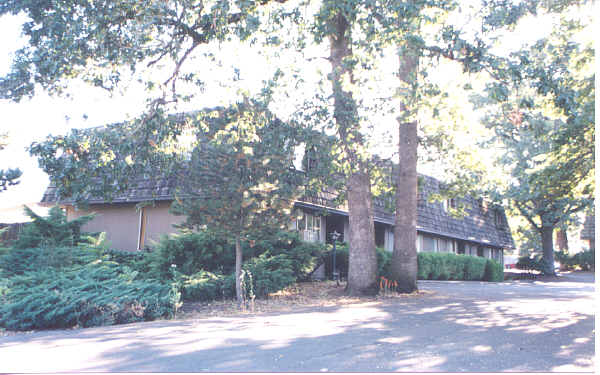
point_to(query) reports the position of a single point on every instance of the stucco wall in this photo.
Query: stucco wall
(159, 222)
(121, 222)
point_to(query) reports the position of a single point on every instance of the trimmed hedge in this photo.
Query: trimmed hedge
(449, 266)
(431, 266)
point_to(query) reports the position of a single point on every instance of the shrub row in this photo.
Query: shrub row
(449, 266)
(431, 266)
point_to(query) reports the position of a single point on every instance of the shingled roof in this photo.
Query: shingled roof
(142, 189)
(479, 225)
(482, 223)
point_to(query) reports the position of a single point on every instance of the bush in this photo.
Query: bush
(18, 261)
(100, 293)
(583, 260)
(449, 266)
(384, 263)
(530, 263)
(474, 267)
(341, 260)
(268, 274)
(493, 271)
(192, 252)
(205, 286)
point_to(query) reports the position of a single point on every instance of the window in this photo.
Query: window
(428, 244)
(498, 218)
(309, 226)
(449, 203)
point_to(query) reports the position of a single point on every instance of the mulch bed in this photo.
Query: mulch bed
(299, 295)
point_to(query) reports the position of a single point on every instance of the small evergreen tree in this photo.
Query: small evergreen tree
(53, 230)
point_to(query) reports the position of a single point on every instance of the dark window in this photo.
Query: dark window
(479, 251)
(498, 219)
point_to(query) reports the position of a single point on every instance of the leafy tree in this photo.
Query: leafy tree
(335, 22)
(544, 119)
(240, 178)
(7, 177)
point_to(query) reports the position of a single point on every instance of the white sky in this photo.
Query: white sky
(33, 119)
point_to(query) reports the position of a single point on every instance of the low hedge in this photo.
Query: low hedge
(449, 266)
(431, 266)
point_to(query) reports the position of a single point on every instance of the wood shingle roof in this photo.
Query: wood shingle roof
(480, 224)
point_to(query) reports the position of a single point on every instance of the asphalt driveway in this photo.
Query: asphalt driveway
(455, 326)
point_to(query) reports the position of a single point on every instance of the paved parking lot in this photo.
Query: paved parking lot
(454, 326)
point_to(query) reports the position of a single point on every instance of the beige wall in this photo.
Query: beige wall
(121, 222)
(159, 222)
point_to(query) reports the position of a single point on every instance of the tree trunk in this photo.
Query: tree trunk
(548, 250)
(362, 262)
(404, 259)
(239, 293)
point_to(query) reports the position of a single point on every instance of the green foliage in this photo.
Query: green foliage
(270, 273)
(494, 271)
(17, 261)
(206, 286)
(266, 274)
(544, 121)
(583, 260)
(448, 266)
(431, 266)
(51, 231)
(341, 260)
(530, 263)
(205, 250)
(99, 293)
(192, 252)
(239, 179)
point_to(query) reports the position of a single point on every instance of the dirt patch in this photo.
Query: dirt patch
(299, 295)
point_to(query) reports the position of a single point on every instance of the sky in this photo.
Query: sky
(32, 120)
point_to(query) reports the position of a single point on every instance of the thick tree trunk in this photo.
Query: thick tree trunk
(362, 263)
(404, 260)
(239, 293)
(548, 250)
